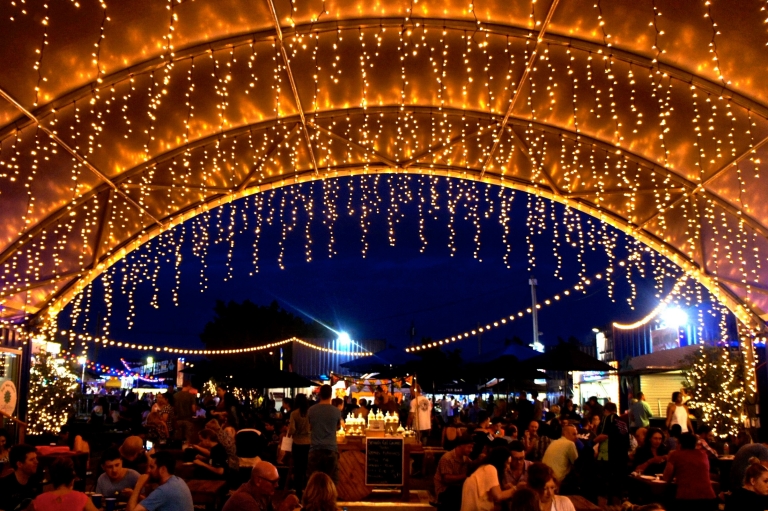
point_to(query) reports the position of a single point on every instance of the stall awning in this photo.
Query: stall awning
(660, 361)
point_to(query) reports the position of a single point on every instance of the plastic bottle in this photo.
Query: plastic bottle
(726, 449)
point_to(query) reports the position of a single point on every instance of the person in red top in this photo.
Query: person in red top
(690, 468)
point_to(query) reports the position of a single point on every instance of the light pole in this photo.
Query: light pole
(82, 360)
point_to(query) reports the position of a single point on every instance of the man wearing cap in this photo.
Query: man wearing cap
(420, 418)
(451, 473)
(256, 494)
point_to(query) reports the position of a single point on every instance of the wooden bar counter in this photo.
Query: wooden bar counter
(351, 485)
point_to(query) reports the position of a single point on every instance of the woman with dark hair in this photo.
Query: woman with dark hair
(651, 457)
(320, 493)
(62, 497)
(298, 430)
(482, 490)
(690, 467)
(226, 409)
(541, 479)
(753, 496)
(677, 413)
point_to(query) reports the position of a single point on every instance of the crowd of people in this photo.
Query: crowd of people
(515, 454)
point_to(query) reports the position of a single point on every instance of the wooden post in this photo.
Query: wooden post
(750, 376)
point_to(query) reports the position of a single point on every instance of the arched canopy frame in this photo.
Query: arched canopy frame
(542, 177)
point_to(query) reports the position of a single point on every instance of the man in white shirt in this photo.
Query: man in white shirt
(420, 418)
(562, 453)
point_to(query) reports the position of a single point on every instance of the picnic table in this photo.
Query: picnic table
(207, 492)
(647, 489)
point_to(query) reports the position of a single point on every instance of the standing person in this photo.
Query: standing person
(446, 409)
(171, 494)
(538, 407)
(452, 471)
(324, 421)
(677, 413)
(226, 408)
(23, 484)
(62, 497)
(298, 429)
(116, 479)
(595, 407)
(184, 403)
(255, 495)
(613, 451)
(639, 413)
(690, 468)
(420, 417)
(482, 491)
(524, 411)
(320, 494)
(561, 454)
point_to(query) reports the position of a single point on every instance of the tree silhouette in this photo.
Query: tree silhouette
(240, 325)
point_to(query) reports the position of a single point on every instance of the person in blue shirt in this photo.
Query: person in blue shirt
(172, 494)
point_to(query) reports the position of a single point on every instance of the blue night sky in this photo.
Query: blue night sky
(377, 297)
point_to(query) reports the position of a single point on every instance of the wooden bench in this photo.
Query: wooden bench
(582, 504)
(208, 493)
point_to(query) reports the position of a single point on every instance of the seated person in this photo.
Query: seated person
(116, 479)
(452, 471)
(62, 475)
(133, 454)
(18, 488)
(212, 462)
(753, 496)
(689, 466)
(651, 457)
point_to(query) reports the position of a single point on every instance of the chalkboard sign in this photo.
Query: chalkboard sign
(384, 461)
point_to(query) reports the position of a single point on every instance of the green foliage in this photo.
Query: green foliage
(52, 389)
(716, 376)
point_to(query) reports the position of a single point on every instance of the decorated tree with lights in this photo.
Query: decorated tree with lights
(716, 377)
(52, 388)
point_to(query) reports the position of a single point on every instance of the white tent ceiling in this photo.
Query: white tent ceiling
(649, 115)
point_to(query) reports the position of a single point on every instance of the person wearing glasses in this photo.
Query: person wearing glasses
(257, 493)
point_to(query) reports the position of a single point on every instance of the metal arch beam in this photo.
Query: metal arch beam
(727, 296)
(579, 138)
(270, 153)
(203, 48)
(76, 155)
(520, 84)
(452, 142)
(297, 99)
(354, 144)
(618, 191)
(40, 283)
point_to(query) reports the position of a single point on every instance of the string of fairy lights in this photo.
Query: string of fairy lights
(84, 339)
(485, 63)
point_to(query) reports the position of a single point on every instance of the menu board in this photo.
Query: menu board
(384, 461)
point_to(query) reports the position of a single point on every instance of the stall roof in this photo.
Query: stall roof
(659, 362)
